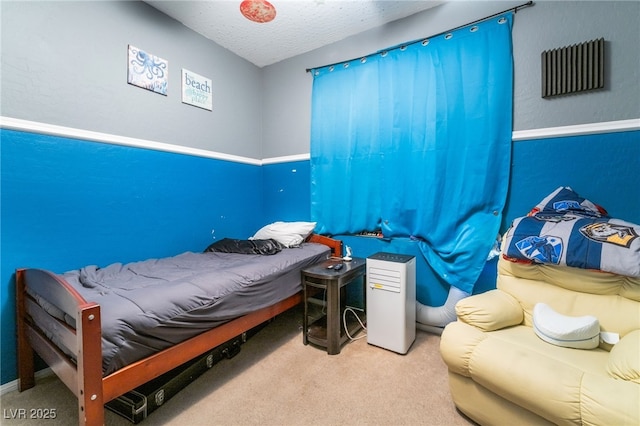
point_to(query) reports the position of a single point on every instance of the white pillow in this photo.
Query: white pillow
(290, 234)
(561, 330)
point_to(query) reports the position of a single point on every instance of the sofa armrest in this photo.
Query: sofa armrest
(624, 359)
(490, 311)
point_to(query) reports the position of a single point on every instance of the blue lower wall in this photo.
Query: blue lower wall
(69, 203)
(603, 168)
(286, 191)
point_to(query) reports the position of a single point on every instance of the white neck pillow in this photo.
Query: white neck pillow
(561, 330)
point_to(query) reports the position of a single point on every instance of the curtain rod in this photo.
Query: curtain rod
(514, 9)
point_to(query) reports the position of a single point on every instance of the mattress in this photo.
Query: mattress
(151, 305)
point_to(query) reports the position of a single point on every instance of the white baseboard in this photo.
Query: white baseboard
(13, 386)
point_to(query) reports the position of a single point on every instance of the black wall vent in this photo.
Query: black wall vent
(573, 69)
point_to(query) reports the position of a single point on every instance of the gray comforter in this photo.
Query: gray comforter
(151, 305)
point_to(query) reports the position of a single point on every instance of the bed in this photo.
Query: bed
(92, 346)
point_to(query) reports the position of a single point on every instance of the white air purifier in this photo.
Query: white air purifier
(391, 301)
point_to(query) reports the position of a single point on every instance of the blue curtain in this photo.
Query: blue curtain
(416, 141)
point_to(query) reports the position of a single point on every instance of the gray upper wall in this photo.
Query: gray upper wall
(546, 25)
(64, 63)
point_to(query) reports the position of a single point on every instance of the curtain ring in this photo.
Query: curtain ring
(474, 29)
(448, 36)
(384, 53)
(331, 68)
(363, 59)
(403, 48)
(346, 65)
(502, 20)
(425, 42)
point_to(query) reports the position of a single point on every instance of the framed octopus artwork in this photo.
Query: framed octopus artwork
(147, 71)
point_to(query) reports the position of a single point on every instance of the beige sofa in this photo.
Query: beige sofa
(502, 373)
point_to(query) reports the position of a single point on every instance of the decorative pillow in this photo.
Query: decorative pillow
(229, 245)
(561, 330)
(569, 230)
(624, 359)
(489, 311)
(566, 200)
(290, 234)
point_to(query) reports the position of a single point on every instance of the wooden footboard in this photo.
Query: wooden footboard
(71, 344)
(38, 330)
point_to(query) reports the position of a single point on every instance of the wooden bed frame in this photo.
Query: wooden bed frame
(84, 377)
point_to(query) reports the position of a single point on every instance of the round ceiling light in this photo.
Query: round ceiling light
(258, 10)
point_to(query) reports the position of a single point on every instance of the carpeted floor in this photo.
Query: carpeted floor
(276, 380)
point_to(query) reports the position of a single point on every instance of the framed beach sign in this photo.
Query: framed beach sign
(147, 71)
(196, 90)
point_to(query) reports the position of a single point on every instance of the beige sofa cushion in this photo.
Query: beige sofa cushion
(624, 359)
(457, 344)
(492, 349)
(608, 401)
(490, 311)
(576, 279)
(615, 313)
(563, 385)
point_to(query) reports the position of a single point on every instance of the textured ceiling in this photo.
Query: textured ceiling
(299, 26)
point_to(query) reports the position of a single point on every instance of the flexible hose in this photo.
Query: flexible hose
(432, 316)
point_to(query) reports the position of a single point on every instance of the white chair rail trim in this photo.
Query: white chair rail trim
(69, 132)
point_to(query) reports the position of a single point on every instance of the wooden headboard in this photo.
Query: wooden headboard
(335, 245)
